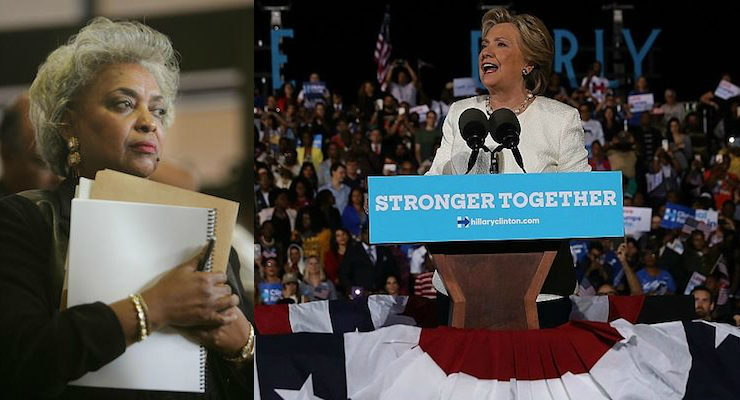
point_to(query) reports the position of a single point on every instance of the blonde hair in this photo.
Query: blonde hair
(68, 69)
(322, 274)
(535, 41)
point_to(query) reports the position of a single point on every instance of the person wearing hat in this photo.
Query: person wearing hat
(290, 288)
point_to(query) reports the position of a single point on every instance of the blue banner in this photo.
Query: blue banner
(407, 209)
(675, 215)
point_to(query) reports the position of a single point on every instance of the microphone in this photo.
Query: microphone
(505, 130)
(474, 129)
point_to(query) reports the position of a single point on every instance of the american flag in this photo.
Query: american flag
(383, 47)
(366, 349)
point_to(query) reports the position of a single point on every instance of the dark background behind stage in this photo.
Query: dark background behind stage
(697, 43)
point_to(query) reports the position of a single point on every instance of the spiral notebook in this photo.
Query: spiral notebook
(119, 248)
(117, 186)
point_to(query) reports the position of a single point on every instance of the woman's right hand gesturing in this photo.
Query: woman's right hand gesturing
(186, 297)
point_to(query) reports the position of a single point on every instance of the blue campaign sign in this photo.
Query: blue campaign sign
(314, 90)
(405, 209)
(675, 216)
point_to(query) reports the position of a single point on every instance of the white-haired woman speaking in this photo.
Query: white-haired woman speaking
(103, 100)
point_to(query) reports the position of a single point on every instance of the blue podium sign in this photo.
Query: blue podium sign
(442, 208)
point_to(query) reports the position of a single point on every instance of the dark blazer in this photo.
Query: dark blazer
(357, 269)
(375, 161)
(46, 348)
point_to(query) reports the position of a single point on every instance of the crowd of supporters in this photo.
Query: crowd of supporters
(315, 148)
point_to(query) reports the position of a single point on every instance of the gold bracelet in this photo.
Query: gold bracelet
(246, 352)
(141, 316)
(146, 314)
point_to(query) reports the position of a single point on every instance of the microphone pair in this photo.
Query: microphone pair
(503, 127)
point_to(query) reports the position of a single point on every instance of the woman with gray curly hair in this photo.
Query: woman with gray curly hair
(62, 86)
(103, 100)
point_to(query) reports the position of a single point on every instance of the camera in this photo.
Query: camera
(400, 61)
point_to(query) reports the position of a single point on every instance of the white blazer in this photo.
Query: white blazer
(552, 140)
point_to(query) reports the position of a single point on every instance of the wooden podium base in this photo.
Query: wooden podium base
(494, 285)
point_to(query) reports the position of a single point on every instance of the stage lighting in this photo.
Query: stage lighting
(276, 19)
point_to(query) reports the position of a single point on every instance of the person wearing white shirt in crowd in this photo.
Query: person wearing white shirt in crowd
(591, 127)
(672, 108)
(282, 207)
(337, 187)
(442, 107)
(595, 84)
(405, 89)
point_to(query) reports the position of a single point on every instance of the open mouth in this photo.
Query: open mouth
(489, 68)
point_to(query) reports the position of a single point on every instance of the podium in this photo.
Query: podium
(494, 248)
(494, 284)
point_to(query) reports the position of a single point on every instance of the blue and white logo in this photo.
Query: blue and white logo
(463, 222)
(670, 215)
(675, 216)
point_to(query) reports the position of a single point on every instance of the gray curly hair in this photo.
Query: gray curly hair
(69, 68)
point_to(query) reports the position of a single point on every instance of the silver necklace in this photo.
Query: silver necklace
(527, 101)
